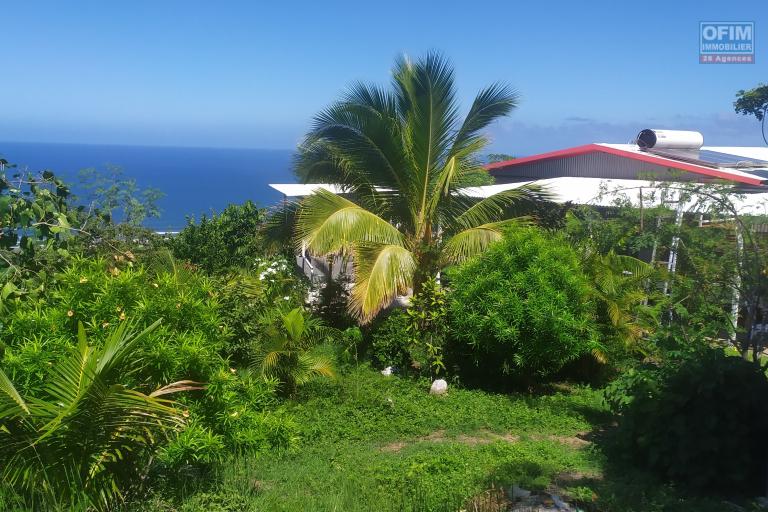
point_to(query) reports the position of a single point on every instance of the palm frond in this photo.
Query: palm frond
(499, 206)
(491, 103)
(328, 223)
(11, 403)
(473, 241)
(278, 230)
(310, 366)
(427, 101)
(293, 323)
(382, 272)
(74, 442)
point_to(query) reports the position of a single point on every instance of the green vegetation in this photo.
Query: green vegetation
(205, 373)
(524, 308)
(695, 422)
(753, 102)
(223, 241)
(81, 439)
(283, 351)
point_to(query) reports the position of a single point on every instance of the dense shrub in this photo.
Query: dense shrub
(412, 340)
(223, 241)
(700, 423)
(522, 309)
(191, 343)
(247, 295)
(81, 441)
(390, 341)
(333, 301)
(103, 294)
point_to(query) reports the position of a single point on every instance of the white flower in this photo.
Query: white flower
(286, 298)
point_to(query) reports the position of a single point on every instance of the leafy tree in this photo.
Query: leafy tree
(80, 442)
(402, 156)
(35, 230)
(428, 326)
(283, 350)
(753, 102)
(223, 241)
(111, 194)
(499, 157)
(718, 256)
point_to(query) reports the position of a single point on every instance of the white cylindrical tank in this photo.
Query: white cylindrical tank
(670, 139)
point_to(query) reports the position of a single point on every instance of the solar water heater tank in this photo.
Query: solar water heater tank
(669, 139)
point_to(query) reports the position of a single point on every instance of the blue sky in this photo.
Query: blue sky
(243, 74)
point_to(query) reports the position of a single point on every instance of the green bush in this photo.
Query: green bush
(247, 295)
(521, 310)
(390, 341)
(412, 340)
(191, 343)
(86, 436)
(103, 294)
(701, 424)
(224, 241)
(194, 447)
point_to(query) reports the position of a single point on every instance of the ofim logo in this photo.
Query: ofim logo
(727, 42)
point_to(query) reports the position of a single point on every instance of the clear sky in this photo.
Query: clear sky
(252, 74)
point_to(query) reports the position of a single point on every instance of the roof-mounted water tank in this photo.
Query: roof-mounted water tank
(669, 139)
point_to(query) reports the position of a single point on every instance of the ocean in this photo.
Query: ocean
(195, 180)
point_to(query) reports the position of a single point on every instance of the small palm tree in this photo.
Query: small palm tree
(284, 350)
(78, 444)
(403, 157)
(619, 283)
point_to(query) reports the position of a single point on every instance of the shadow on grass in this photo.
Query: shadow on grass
(624, 487)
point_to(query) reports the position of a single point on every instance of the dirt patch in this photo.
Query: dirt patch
(578, 441)
(439, 436)
(571, 441)
(571, 478)
(394, 447)
(486, 437)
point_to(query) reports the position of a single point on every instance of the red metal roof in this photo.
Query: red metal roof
(642, 157)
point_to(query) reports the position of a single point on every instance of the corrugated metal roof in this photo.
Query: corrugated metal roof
(624, 161)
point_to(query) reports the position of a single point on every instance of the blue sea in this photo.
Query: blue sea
(195, 180)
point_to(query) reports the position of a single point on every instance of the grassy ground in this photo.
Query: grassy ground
(375, 443)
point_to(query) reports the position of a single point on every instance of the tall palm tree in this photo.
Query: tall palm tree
(403, 155)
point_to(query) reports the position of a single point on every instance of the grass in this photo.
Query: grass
(371, 442)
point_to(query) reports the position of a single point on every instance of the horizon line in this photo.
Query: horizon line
(167, 146)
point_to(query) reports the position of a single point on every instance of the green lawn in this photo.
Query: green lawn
(371, 442)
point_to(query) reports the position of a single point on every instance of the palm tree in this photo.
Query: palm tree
(403, 155)
(619, 285)
(79, 443)
(284, 350)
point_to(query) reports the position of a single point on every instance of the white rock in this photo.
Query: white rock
(439, 387)
(387, 371)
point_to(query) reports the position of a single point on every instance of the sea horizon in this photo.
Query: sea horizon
(195, 180)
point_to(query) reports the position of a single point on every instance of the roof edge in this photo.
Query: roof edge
(642, 157)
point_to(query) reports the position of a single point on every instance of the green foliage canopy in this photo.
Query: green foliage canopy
(224, 241)
(524, 307)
